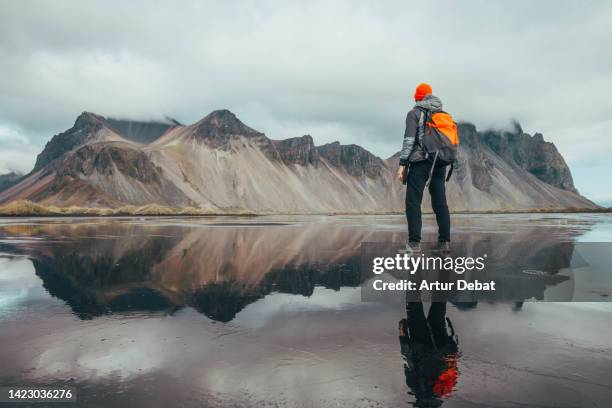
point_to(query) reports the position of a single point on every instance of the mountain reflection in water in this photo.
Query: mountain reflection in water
(103, 267)
(218, 270)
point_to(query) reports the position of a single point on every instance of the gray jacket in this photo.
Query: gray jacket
(411, 148)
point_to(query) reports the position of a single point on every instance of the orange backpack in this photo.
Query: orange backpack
(440, 138)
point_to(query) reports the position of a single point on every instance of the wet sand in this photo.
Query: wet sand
(268, 312)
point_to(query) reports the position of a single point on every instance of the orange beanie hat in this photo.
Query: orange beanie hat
(421, 91)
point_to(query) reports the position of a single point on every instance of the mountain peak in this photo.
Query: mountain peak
(298, 150)
(86, 118)
(221, 115)
(516, 127)
(84, 127)
(356, 160)
(223, 122)
(533, 154)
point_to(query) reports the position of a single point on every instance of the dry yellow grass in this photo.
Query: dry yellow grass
(26, 208)
(23, 208)
(29, 208)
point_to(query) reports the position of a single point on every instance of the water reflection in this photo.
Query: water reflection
(430, 353)
(113, 267)
(101, 269)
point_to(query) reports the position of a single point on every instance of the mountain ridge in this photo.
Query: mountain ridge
(219, 163)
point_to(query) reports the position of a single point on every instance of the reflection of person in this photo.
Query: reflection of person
(430, 354)
(417, 169)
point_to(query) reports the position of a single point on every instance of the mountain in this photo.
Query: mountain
(532, 153)
(91, 128)
(9, 179)
(220, 164)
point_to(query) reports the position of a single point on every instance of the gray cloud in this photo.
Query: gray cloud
(340, 70)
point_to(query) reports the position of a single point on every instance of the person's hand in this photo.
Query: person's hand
(400, 173)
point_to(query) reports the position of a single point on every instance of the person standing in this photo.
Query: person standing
(419, 168)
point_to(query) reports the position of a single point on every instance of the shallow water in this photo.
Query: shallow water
(268, 311)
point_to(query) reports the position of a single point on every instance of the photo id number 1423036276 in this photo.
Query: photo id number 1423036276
(37, 394)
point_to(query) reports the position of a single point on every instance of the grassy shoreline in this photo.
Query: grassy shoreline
(31, 209)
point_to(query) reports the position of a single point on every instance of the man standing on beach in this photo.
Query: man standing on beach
(417, 169)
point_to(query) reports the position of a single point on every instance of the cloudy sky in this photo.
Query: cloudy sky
(341, 70)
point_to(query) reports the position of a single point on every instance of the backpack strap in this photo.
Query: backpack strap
(420, 132)
(433, 165)
(450, 172)
(422, 121)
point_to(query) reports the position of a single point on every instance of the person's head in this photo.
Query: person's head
(422, 91)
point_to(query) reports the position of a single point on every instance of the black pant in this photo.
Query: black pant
(423, 328)
(418, 173)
